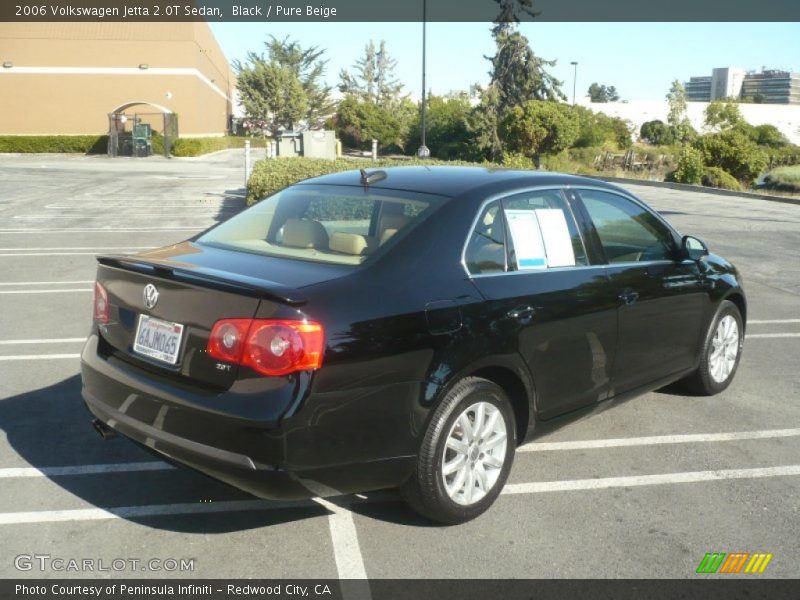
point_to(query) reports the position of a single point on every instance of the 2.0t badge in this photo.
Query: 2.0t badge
(150, 295)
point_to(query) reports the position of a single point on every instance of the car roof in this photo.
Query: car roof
(453, 181)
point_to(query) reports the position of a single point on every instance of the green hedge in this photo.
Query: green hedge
(83, 144)
(716, 177)
(784, 178)
(98, 144)
(205, 145)
(269, 176)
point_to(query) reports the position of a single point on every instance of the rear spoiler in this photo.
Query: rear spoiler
(223, 280)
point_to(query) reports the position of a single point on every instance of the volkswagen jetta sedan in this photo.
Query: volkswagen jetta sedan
(403, 328)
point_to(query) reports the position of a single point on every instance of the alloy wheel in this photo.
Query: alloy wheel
(474, 453)
(724, 349)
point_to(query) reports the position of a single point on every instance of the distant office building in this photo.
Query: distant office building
(772, 87)
(698, 89)
(767, 87)
(727, 83)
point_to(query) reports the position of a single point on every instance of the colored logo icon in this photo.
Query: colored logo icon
(734, 562)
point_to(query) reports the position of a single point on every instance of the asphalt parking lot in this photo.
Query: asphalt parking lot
(642, 488)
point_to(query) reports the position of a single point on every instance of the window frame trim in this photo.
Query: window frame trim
(563, 189)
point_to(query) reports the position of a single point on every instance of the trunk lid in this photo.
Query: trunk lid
(195, 287)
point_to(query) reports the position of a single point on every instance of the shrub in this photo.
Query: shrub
(784, 178)
(657, 133)
(787, 156)
(514, 160)
(358, 122)
(733, 151)
(84, 144)
(206, 145)
(447, 129)
(597, 129)
(716, 177)
(269, 176)
(539, 127)
(690, 167)
(769, 135)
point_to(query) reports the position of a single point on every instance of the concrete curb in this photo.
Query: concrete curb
(701, 189)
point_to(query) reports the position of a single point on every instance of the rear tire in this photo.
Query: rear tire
(461, 469)
(720, 354)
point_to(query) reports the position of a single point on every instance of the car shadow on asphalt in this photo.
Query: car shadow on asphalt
(234, 201)
(50, 427)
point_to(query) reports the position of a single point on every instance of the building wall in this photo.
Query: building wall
(786, 117)
(66, 77)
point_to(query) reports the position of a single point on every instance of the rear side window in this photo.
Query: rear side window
(525, 232)
(323, 223)
(542, 231)
(627, 231)
(486, 249)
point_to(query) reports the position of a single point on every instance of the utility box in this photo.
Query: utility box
(290, 143)
(319, 144)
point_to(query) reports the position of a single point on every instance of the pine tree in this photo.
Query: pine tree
(373, 78)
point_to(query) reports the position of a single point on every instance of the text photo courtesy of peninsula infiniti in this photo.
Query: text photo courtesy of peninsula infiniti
(405, 328)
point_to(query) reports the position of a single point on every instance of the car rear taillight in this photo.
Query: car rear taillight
(100, 304)
(268, 346)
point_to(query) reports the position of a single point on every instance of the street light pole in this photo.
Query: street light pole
(422, 151)
(574, 63)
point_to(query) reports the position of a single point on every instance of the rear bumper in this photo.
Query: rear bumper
(259, 456)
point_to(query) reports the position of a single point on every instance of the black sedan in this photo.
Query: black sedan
(402, 328)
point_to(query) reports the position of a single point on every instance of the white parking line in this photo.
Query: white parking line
(42, 341)
(22, 283)
(38, 356)
(653, 440)
(151, 510)
(3, 255)
(77, 248)
(771, 335)
(765, 321)
(537, 487)
(54, 253)
(152, 465)
(46, 291)
(92, 229)
(344, 537)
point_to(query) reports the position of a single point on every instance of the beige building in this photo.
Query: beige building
(65, 78)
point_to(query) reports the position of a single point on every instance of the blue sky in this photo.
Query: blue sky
(640, 59)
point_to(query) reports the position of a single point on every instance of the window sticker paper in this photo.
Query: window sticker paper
(527, 237)
(557, 240)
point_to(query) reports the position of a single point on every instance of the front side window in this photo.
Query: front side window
(627, 231)
(323, 223)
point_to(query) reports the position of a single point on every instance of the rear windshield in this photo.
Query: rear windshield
(323, 223)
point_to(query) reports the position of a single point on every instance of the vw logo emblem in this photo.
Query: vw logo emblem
(150, 295)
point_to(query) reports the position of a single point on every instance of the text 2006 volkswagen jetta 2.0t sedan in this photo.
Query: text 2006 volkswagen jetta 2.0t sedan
(402, 328)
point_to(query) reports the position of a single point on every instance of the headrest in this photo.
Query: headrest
(349, 243)
(393, 221)
(387, 233)
(299, 233)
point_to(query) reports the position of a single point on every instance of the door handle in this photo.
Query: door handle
(522, 312)
(628, 297)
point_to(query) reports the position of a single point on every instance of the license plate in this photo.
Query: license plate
(158, 339)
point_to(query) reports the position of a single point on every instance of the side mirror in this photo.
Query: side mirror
(692, 248)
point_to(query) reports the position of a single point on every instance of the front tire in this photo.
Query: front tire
(466, 453)
(720, 353)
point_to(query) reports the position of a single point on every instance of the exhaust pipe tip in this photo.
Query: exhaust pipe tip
(103, 430)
